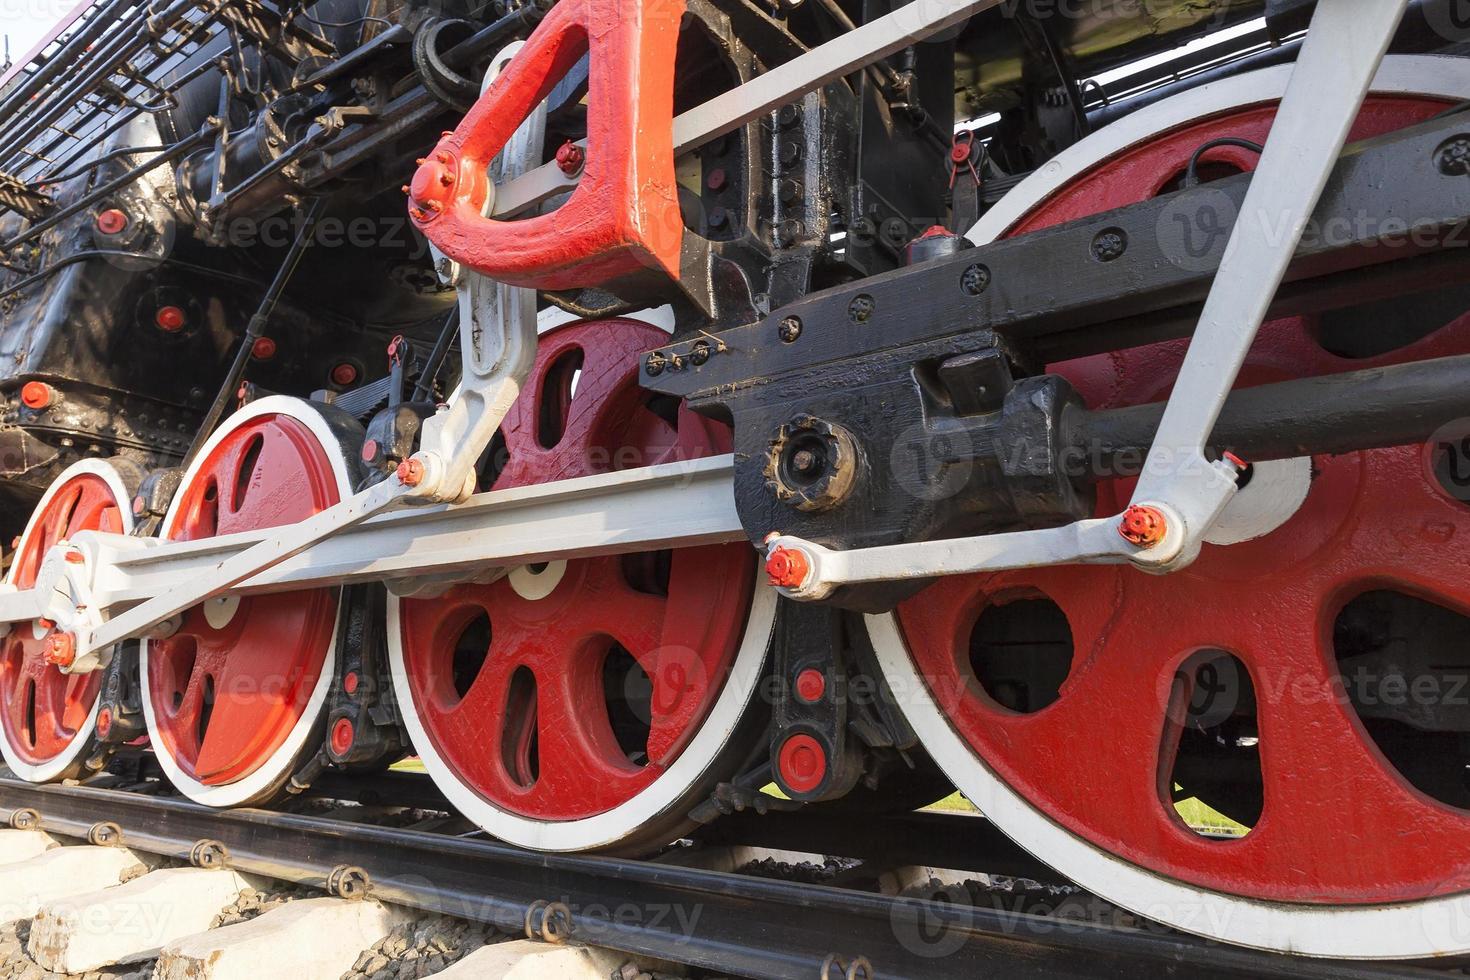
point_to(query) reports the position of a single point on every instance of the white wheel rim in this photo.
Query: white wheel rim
(280, 762)
(1432, 927)
(615, 825)
(49, 770)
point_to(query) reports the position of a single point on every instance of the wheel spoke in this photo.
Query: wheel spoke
(600, 732)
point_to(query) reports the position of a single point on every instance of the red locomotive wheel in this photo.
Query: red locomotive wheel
(233, 696)
(47, 716)
(1079, 705)
(568, 705)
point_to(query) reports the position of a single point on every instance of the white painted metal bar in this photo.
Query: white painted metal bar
(1343, 50)
(825, 63)
(671, 505)
(223, 574)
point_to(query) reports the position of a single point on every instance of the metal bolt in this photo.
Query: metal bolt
(718, 216)
(410, 472)
(61, 650)
(790, 153)
(787, 568)
(1143, 526)
(789, 231)
(860, 310)
(655, 364)
(788, 115)
(790, 329)
(700, 353)
(789, 191)
(804, 461)
(975, 280)
(1109, 245)
(716, 179)
(895, 231)
(1453, 157)
(571, 158)
(112, 221)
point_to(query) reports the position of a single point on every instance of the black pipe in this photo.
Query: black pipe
(168, 156)
(254, 329)
(1340, 413)
(73, 47)
(430, 372)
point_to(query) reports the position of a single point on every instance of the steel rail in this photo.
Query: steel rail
(746, 926)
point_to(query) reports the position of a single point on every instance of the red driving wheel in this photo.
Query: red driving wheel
(1244, 646)
(563, 691)
(231, 696)
(48, 716)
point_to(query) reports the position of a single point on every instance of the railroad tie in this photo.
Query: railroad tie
(131, 922)
(22, 845)
(62, 873)
(310, 939)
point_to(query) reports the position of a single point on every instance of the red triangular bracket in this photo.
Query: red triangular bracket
(623, 217)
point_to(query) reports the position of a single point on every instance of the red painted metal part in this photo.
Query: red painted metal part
(685, 640)
(624, 215)
(801, 763)
(787, 568)
(62, 702)
(1339, 824)
(247, 684)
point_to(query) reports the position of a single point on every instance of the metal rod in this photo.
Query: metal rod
(1340, 413)
(436, 357)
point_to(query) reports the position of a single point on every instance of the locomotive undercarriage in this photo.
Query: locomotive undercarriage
(1135, 481)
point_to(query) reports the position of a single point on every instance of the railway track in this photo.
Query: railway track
(406, 891)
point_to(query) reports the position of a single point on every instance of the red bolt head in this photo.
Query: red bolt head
(61, 649)
(170, 319)
(787, 568)
(802, 763)
(811, 684)
(1143, 527)
(139, 506)
(430, 189)
(75, 558)
(716, 179)
(410, 472)
(35, 395)
(959, 152)
(570, 158)
(112, 222)
(344, 373)
(350, 682)
(104, 722)
(263, 349)
(370, 451)
(343, 736)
